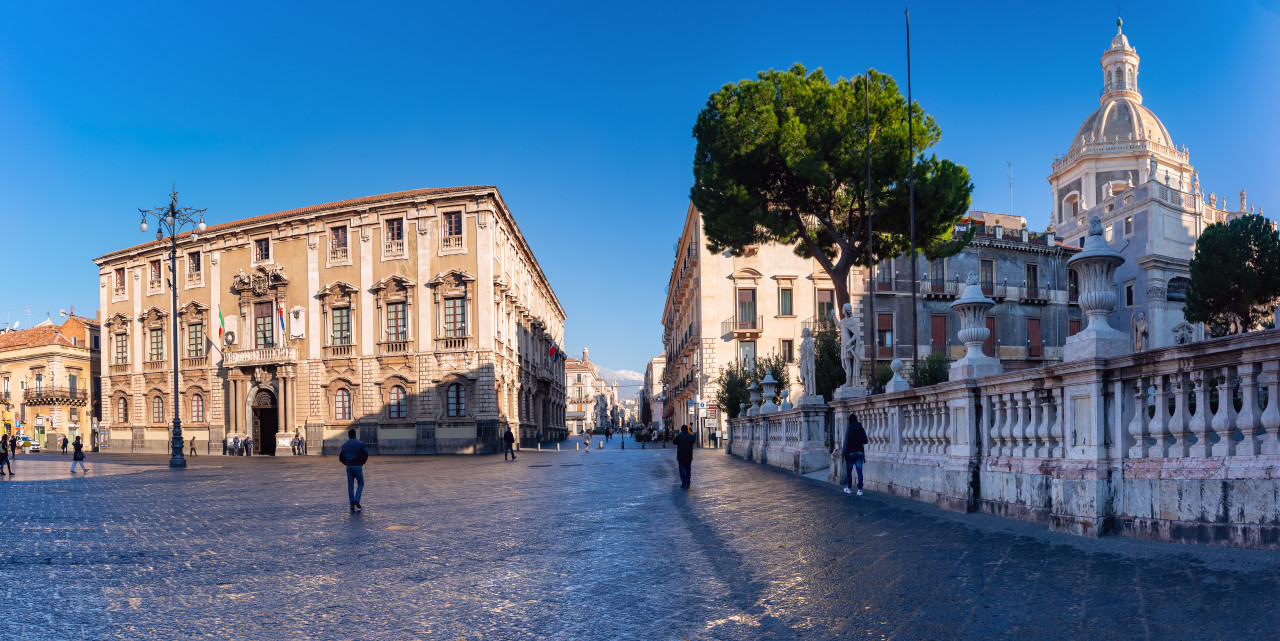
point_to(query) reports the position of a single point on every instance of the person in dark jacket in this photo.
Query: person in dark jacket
(353, 455)
(854, 439)
(684, 453)
(4, 455)
(78, 457)
(509, 444)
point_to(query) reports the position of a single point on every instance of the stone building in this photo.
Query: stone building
(592, 402)
(421, 318)
(651, 391)
(1123, 167)
(49, 385)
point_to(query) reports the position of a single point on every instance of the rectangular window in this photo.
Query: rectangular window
(155, 345)
(784, 302)
(342, 326)
(938, 334)
(1073, 286)
(1109, 232)
(453, 223)
(1128, 225)
(262, 250)
(73, 382)
(788, 351)
(263, 323)
(1035, 343)
(884, 275)
(195, 340)
(1033, 281)
(119, 278)
(937, 274)
(397, 329)
(338, 237)
(95, 344)
(987, 276)
(746, 309)
(395, 229)
(1073, 327)
(39, 382)
(884, 335)
(155, 272)
(1128, 295)
(193, 262)
(826, 302)
(747, 352)
(989, 345)
(455, 318)
(122, 349)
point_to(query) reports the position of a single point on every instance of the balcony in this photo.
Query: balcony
(393, 247)
(815, 324)
(995, 291)
(1033, 294)
(155, 366)
(337, 254)
(453, 344)
(47, 395)
(118, 291)
(393, 347)
(153, 285)
(338, 351)
(119, 368)
(195, 279)
(747, 327)
(195, 362)
(939, 288)
(265, 356)
(451, 242)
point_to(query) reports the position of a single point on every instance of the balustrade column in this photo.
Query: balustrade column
(1006, 427)
(1040, 419)
(1138, 424)
(1269, 443)
(1250, 417)
(926, 427)
(1158, 428)
(1200, 422)
(1224, 420)
(996, 420)
(1022, 430)
(945, 438)
(935, 428)
(1059, 448)
(1180, 421)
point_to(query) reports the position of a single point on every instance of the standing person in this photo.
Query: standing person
(509, 444)
(302, 445)
(248, 445)
(353, 455)
(4, 455)
(235, 446)
(293, 444)
(586, 440)
(224, 446)
(64, 444)
(78, 457)
(193, 446)
(854, 439)
(684, 453)
(13, 446)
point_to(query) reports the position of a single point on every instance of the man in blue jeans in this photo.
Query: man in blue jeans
(353, 455)
(854, 439)
(684, 453)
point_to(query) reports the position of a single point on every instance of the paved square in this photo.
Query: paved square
(573, 546)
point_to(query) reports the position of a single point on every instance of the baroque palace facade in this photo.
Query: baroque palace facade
(421, 318)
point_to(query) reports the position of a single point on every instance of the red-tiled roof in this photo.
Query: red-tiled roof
(33, 337)
(351, 202)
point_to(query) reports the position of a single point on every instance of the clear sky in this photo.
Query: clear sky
(580, 113)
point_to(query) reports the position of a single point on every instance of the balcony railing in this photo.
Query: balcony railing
(118, 291)
(453, 344)
(195, 362)
(393, 247)
(195, 278)
(46, 394)
(155, 366)
(451, 242)
(393, 347)
(338, 351)
(266, 356)
(153, 284)
(742, 324)
(815, 324)
(339, 253)
(119, 368)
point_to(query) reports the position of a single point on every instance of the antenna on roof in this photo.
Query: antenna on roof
(28, 314)
(1010, 163)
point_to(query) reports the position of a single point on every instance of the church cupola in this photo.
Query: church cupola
(1120, 69)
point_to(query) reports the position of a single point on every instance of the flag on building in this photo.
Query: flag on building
(280, 310)
(221, 323)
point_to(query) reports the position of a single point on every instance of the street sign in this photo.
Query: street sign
(709, 423)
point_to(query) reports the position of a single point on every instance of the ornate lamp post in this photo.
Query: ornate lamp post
(174, 219)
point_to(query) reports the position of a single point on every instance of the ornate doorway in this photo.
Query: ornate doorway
(266, 423)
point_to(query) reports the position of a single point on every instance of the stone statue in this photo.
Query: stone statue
(1139, 323)
(1154, 165)
(1242, 199)
(1166, 178)
(1195, 180)
(849, 358)
(1213, 199)
(808, 363)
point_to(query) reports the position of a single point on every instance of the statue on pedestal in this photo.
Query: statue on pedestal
(808, 363)
(1139, 323)
(849, 358)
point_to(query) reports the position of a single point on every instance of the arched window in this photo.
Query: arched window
(395, 404)
(457, 400)
(157, 409)
(342, 405)
(197, 409)
(122, 410)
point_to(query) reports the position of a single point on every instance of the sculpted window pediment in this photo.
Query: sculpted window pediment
(452, 282)
(118, 320)
(259, 281)
(338, 291)
(193, 311)
(393, 287)
(746, 275)
(153, 317)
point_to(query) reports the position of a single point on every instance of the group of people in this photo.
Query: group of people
(237, 447)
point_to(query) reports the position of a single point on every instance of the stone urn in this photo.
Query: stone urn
(1096, 266)
(897, 383)
(755, 400)
(768, 385)
(972, 308)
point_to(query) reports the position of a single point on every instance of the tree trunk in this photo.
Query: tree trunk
(839, 274)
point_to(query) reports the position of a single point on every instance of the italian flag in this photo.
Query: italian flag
(221, 323)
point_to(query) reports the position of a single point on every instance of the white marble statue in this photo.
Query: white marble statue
(808, 363)
(1139, 323)
(849, 358)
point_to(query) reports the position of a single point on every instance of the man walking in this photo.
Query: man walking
(193, 446)
(509, 444)
(854, 439)
(4, 455)
(684, 453)
(353, 455)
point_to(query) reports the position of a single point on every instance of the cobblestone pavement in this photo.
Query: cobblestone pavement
(572, 545)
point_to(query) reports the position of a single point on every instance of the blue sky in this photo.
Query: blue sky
(580, 113)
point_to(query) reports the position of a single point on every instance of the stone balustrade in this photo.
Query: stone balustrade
(792, 439)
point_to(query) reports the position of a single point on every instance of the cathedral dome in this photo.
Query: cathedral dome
(1122, 118)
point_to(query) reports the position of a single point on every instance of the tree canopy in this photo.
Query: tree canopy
(1235, 275)
(784, 159)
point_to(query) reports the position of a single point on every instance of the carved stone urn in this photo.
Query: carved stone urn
(1096, 267)
(972, 308)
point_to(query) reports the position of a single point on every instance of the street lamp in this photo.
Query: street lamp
(174, 219)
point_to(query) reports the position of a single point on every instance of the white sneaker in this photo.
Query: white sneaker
(848, 491)
(859, 492)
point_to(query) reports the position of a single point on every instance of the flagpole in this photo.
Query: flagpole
(911, 185)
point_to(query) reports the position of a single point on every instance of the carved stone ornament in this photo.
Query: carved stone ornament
(260, 281)
(1183, 333)
(1157, 290)
(260, 376)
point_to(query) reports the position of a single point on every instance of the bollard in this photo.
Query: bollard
(557, 446)
(599, 445)
(577, 446)
(539, 446)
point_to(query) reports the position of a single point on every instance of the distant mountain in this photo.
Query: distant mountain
(628, 381)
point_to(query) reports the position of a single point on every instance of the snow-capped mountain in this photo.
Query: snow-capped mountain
(628, 381)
